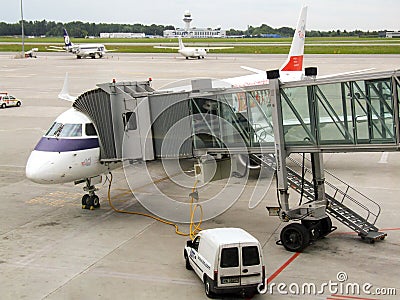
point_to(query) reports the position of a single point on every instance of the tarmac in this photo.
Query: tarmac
(51, 248)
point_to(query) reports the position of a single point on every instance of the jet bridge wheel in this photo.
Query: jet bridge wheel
(326, 226)
(319, 228)
(314, 228)
(295, 237)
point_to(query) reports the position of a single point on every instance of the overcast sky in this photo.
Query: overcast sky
(322, 14)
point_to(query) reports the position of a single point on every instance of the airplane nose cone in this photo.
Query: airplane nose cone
(37, 168)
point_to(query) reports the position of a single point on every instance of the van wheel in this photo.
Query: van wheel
(188, 266)
(18, 104)
(207, 288)
(3, 105)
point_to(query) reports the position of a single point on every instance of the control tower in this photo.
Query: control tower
(187, 18)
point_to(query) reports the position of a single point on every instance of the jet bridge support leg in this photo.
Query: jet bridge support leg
(317, 166)
(318, 223)
(280, 150)
(314, 221)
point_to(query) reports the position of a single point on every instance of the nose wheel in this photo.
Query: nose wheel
(90, 200)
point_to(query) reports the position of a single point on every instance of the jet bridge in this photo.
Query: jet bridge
(339, 114)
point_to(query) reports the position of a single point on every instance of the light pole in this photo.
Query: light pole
(22, 28)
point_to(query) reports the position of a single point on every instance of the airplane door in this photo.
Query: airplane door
(137, 139)
(132, 148)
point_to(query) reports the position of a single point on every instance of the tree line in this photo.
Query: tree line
(288, 32)
(76, 29)
(81, 29)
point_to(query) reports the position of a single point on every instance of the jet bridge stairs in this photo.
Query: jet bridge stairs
(344, 203)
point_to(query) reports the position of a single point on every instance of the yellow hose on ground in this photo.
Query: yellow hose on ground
(193, 228)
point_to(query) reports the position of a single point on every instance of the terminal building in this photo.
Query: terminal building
(193, 32)
(393, 34)
(122, 35)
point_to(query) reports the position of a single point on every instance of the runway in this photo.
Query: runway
(52, 249)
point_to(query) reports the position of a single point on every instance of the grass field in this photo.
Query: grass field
(344, 45)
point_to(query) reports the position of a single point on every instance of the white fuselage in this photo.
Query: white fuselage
(191, 52)
(88, 50)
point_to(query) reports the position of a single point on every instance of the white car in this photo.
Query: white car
(8, 100)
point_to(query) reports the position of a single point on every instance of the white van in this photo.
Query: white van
(227, 260)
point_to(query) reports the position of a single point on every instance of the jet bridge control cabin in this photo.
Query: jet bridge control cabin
(271, 123)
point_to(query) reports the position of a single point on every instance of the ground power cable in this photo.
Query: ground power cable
(194, 228)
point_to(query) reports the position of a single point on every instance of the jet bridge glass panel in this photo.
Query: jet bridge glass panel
(296, 116)
(350, 112)
(333, 109)
(240, 119)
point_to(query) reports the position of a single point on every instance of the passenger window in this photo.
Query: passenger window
(196, 243)
(250, 256)
(90, 130)
(229, 257)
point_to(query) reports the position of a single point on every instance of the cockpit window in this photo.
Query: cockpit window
(89, 129)
(54, 129)
(71, 130)
(65, 130)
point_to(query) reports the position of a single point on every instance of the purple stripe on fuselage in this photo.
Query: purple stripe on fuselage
(64, 145)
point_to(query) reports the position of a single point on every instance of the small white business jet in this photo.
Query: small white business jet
(91, 50)
(192, 52)
(70, 150)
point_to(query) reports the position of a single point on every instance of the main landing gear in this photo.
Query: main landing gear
(90, 200)
(295, 237)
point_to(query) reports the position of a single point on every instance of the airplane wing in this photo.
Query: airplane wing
(254, 70)
(56, 48)
(165, 47)
(217, 48)
(345, 73)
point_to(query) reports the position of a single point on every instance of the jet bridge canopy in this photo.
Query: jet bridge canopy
(341, 114)
(355, 113)
(118, 117)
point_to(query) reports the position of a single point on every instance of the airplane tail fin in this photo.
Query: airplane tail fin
(67, 40)
(292, 69)
(181, 45)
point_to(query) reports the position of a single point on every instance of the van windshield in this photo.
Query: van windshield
(229, 257)
(250, 256)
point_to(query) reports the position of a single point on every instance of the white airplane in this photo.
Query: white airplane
(192, 52)
(70, 151)
(81, 50)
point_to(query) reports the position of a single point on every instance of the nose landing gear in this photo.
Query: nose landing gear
(90, 200)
